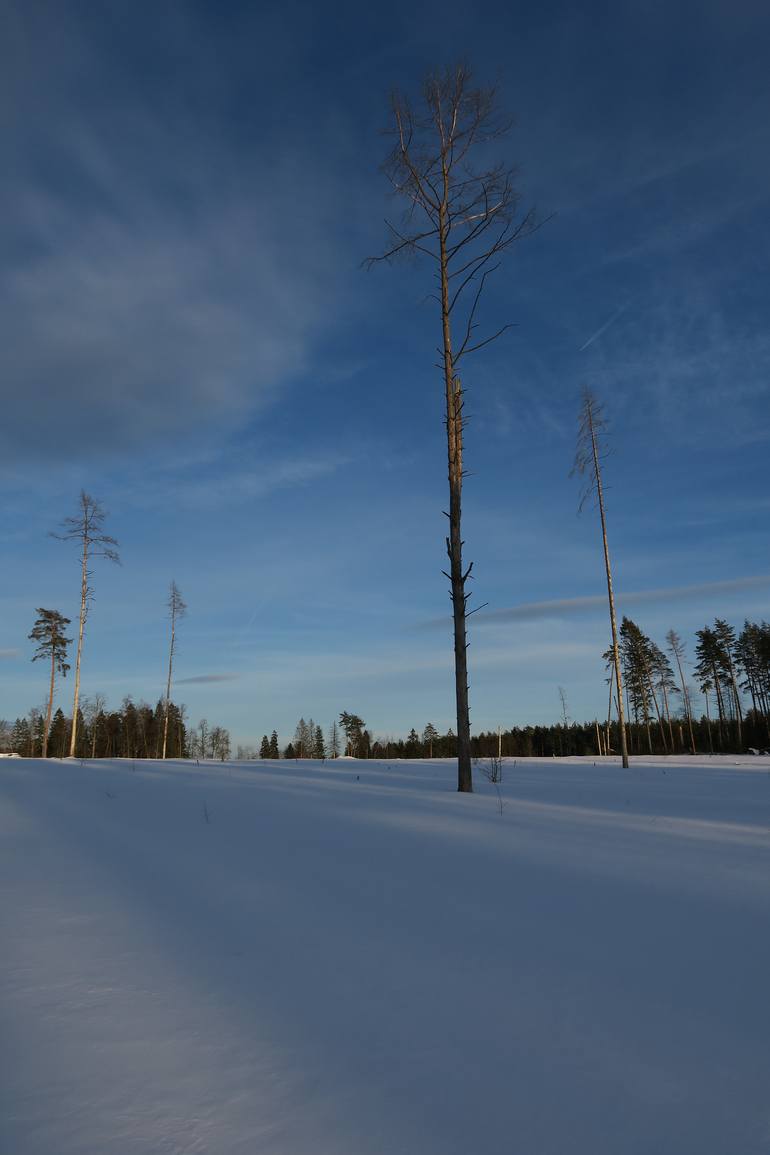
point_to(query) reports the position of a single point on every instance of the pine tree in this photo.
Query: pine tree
(640, 656)
(274, 751)
(710, 675)
(48, 632)
(353, 727)
(725, 635)
(752, 651)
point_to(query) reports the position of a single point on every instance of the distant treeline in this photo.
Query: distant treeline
(732, 692)
(133, 731)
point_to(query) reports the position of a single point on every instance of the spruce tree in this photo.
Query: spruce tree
(20, 736)
(413, 744)
(57, 736)
(264, 749)
(274, 751)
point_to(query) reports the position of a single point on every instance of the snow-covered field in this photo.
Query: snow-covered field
(353, 959)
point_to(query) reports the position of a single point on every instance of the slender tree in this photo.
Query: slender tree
(463, 216)
(203, 738)
(87, 528)
(93, 713)
(666, 683)
(710, 675)
(591, 449)
(676, 649)
(429, 736)
(176, 609)
(48, 632)
(334, 741)
(725, 635)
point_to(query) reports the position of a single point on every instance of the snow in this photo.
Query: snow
(353, 959)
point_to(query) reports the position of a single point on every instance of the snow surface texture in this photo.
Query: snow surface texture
(353, 959)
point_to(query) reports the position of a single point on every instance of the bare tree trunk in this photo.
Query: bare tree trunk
(610, 593)
(654, 697)
(685, 698)
(721, 714)
(708, 724)
(81, 628)
(457, 578)
(168, 683)
(738, 710)
(667, 714)
(49, 711)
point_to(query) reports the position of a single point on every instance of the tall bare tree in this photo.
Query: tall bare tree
(676, 649)
(462, 214)
(87, 528)
(176, 609)
(591, 449)
(92, 710)
(48, 632)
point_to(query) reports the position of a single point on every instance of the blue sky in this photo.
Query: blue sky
(187, 332)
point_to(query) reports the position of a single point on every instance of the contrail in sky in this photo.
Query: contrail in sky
(568, 607)
(604, 327)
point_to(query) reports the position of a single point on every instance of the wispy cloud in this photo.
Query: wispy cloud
(157, 278)
(232, 482)
(7, 655)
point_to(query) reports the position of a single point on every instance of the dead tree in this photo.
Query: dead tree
(590, 451)
(176, 609)
(463, 217)
(87, 529)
